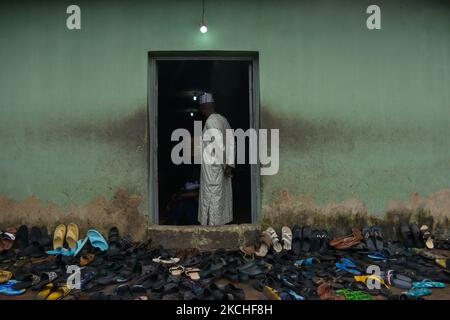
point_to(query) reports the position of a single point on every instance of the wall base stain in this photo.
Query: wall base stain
(121, 211)
(339, 218)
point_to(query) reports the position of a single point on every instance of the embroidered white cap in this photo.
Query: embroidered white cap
(206, 98)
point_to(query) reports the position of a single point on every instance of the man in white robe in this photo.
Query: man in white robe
(215, 205)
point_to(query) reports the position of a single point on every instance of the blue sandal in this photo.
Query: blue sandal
(97, 240)
(426, 283)
(418, 292)
(7, 289)
(347, 265)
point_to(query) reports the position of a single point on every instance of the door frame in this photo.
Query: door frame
(152, 102)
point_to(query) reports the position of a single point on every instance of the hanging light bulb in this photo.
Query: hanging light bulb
(192, 114)
(194, 98)
(203, 28)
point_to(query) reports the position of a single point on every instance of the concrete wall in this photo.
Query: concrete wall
(364, 115)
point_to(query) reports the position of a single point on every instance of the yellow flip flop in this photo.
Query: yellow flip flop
(59, 293)
(45, 291)
(363, 279)
(442, 262)
(72, 235)
(271, 293)
(58, 236)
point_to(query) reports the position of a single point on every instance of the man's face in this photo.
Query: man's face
(206, 109)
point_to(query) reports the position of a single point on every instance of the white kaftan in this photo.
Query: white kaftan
(216, 198)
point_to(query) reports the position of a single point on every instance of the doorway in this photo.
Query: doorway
(176, 80)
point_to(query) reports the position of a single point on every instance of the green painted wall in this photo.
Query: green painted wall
(362, 113)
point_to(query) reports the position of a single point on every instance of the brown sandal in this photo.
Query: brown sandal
(347, 242)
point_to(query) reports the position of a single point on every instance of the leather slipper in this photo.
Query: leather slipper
(296, 240)
(72, 235)
(58, 236)
(427, 236)
(306, 239)
(286, 236)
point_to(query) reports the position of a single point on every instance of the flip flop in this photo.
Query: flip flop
(59, 293)
(418, 292)
(347, 265)
(378, 238)
(297, 240)
(192, 273)
(35, 236)
(316, 240)
(426, 283)
(368, 238)
(166, 261)
(96, 239)
(265, 244)
(72, 235)
(277, 247)
(286, 236)
(7, 289)
(271, 293)
(364, 278)
(324, 241)
(59, 236)
(427, 237)
(443, 262)
(306, 262)
(5, 276)
(377, 256)
(306, 239)
(21, 241)
(407, 235)
(418, 241)
(177, 270)
(45, 291)
(295, 295)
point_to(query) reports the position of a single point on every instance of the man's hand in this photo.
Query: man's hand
(228, 171)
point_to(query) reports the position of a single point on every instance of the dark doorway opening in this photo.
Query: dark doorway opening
(179, 82)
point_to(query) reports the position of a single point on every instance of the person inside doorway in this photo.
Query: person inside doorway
(215, 197)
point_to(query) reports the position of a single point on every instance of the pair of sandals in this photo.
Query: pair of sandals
(286, 239)
(373, 238)
(69, 233)
(268, 239)
(347, 265)
(307, 240)
(53, 292)
(415, 237)
(192, 273)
